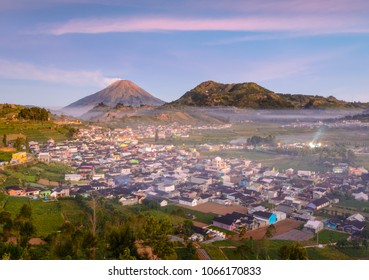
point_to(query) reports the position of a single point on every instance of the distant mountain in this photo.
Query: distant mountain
(251, 95)
(122, 92)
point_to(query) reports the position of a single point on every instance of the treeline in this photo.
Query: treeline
(105, 232)
(34, 114)
(259, 140)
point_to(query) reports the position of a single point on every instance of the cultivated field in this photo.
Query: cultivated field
(281, 227)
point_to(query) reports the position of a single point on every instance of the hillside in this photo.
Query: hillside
(122, 92)
(14, 125)
(251, 95)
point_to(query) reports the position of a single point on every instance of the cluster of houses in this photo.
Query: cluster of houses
(113, 163)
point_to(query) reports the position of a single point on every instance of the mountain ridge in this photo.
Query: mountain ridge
(253, 96)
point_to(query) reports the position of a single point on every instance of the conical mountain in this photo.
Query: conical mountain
(122, 92)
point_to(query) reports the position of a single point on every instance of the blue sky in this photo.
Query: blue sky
(54, 52)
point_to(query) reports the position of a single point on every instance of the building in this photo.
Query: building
(15, 191)
(267, 217)
(44, 157)
(314, 226)
(19, 158)
(188, 201)
(72, 177)
(318, 204)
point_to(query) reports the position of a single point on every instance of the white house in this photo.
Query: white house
(360, 196)
(303, 173)
(72, 177)
(356, 217)
(166, 188)
(314, 226)
(188, 201)
(163, 203)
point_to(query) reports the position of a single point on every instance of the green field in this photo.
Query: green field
(214, 252)
(72, 212)
(34, 130)
(327, 253)
(362, 160)
(355, 253)
(30, 173)
(330, 236)
(46, 216)
(263, 249)
(352, 203)
(200, 216)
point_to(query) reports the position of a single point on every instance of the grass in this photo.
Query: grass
(180, 211)
(3, 200)
(46, 216)
(34, 130)
(329, 236)
(14, 204)
(29, 173)
(72, 212)
(362, 160)
(352, 253)
(351, 203)
(214, 252)
(264, 249)
(326, 253)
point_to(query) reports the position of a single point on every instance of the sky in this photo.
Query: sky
(54, 52)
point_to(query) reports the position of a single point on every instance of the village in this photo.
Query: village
(117, 164)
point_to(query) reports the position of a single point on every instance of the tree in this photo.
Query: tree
(156, 136)
(190, 253)
(365, 244)
(26, 142)
(118, 240)
(18, 144)
(271, 230)
(5, 141)
(245, 252)
(293, 252)
(25, 212)
(89, 243)
(155, 234)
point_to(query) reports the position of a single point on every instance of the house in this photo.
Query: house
(280, 215)
(166, 188)
(32, 192)
(59, 192)
(353, 226)
(15, 191)
(229, 221)
(318, 204)
(72, 177)
(45, 193)
(314, 226)
(333, 223)
(267, 217)
(19, 158)
(44, 157)
(285, 208)
(163, 203)
(356, 217)
(188, 201)
(129, 200)
(303, 173)
(360, 196)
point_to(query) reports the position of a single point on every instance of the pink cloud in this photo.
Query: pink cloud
(292, 23)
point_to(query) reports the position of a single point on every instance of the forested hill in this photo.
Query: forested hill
(252, 95)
